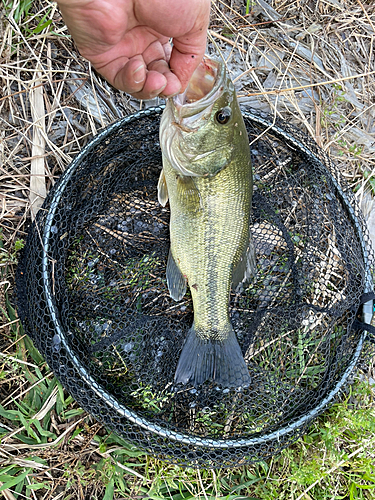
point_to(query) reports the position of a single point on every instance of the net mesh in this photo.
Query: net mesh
(92, 295)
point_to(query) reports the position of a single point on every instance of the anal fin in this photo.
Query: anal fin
(175, 279)
(246, 266)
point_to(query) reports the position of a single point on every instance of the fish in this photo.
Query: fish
(207, 178)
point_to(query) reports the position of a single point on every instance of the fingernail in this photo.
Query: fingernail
(171, 95)
(157, 92)
(138, 78)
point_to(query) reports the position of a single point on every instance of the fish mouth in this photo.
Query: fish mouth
(186, 116)
(202, 91)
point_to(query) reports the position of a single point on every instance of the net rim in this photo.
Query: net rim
(109, 399)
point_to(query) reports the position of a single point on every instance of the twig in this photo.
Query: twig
(302, 87)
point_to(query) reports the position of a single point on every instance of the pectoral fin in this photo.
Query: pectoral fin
(188, 193)
(175, 279)
(162, 189)
(246, 266)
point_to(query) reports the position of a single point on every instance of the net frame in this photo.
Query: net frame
(161, 436)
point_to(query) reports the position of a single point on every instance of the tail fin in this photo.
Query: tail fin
(219, 361)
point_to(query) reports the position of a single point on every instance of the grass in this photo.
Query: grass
(50, 448)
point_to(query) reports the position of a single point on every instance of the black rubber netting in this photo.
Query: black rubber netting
(92, 295)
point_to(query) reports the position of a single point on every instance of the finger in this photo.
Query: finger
(144, 82)
(154, 84)
(184, 65)
(167, 51)
(131, 76)
(119, 64)
(173, 85)
(154, 52)
(183, 62)
(188, 50)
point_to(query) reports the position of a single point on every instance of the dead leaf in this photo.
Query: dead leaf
(38, 190)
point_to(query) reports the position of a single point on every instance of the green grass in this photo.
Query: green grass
(21, 9)
(21, 14)
(51, 448)
(249, 5)
(49, 444)
(42, 429)
(333, 459)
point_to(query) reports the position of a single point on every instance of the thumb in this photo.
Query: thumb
(184, 64)
(189, 49)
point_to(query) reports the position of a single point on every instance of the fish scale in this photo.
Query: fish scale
(209, 230)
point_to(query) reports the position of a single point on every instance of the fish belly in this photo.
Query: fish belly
(209, 234)
(209, 237)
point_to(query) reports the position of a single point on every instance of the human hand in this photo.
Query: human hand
(127, 41)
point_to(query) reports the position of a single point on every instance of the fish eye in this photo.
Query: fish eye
(223, 115)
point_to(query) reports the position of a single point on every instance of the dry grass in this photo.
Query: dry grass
(309, 62)
(323, 51)
(52, 102)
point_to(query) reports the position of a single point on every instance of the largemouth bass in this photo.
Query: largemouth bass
(207, 177)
